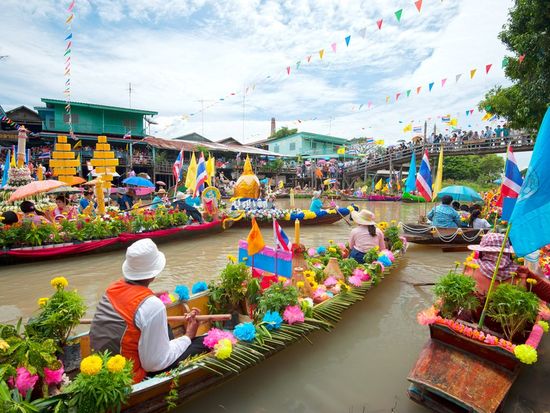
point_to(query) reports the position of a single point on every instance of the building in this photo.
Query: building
(194, 137)
(92, 119)
(306, 145)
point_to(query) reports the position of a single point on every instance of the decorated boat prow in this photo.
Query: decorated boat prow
(441, 237)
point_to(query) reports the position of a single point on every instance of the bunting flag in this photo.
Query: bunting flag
(472, 73)
(348, 38)
(379, 24)
(505, 62)
(408, 93)
(430, 86)
(418, 5)
(67, 74)
(297, 67)
(398, 14)
(309, 58)
(397, 96)
(321, 53)
(443, 81)
(418, 89)
(288, 70)
(387, 99)
(487, 68)
(408, 128)
(333, 46)
(458, 77)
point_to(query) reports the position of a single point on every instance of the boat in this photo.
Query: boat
(372, 197)
(10, 256)
(410, 198)
(204, 373)
(441, 237)
(265, 223)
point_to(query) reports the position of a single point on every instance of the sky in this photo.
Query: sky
(221, 68)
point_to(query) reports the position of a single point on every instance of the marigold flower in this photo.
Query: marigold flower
(300, 284)
(91, 365)
(232, 258)
(59, 282)
(42, 301)
(330, 241)
(116, 364)
(4, 345)
(542, 323)
(526, 354)
(531, 281)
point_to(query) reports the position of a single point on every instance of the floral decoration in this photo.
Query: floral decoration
(272, 320)
(245, 332)
(199, 287)
(293, 314)
(183, 292)
(223, 349)
(91, 365)
(214, 335)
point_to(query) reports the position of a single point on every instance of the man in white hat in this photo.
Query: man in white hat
(180, 204)
(130, 320)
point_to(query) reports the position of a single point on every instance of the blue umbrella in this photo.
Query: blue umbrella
(138, 181)
(460, 193)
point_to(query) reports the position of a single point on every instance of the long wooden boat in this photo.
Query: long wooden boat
(57, 251)
(324, 220)
(372, 197)
(206, 372)
(441, 237)
(412, 199)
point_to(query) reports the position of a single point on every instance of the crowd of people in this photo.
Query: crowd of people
(451, 214)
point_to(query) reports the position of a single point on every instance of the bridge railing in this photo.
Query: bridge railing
(473, 147)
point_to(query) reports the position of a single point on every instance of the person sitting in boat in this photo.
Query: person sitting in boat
(180, 204)
(487, 255)
(192, 201)
(365, 237)
(159, 199)
(9, 218)
(131, 320)
(85, 201)
(126, 202)
(444, 216)
(316, 203)
(30, 213)
(476, 222)
(62, 210)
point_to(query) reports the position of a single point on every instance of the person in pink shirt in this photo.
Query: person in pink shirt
(63, 211)
(30, 213)
(365, 237)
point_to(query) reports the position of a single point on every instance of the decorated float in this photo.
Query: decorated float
(275, 298)
(372, 197)
(471, 362)
(412, 199)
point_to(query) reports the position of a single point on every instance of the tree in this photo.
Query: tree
(284, 131)
(482, 169)
(527, 35)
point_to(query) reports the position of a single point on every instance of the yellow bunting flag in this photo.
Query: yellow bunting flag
(77, 145)
(255, 239)
(321, 53)
(472, 73)
(379, 142)
(487, 116)
(378, 185)
(408, 128)
(453, 122)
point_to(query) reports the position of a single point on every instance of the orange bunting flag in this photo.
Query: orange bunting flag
(333, 45)
(488, 67)
(418, 89)
(288, 70)
(418, 5)
(69, 19)
(255, 240)
(379, 24)
(472, 73)
(521, 58)
(321, 53)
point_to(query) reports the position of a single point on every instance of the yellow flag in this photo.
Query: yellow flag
(341, 151)
(379, 142)
(472, 73)
(321, 53)
(210, 170)
(77, 145)
(408, 128)
(386, 189)
(487, 116)
(191, 178)
(281, 184)
(439, 176)
(255, 240)
(453, 122)
(13, 164)
(378, 185)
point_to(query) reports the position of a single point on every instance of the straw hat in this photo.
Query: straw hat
(143, 261)
(363, 217)
(492, 242)
(161, 191)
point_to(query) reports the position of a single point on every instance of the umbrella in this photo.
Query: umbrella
(64, 190)
(138, 181)
(160, 183)
(460, 193)
(75, 180)
(35, 187)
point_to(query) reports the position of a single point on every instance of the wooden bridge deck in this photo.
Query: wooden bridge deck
(520, 143)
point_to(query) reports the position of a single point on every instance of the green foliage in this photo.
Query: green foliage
(275, 165)
(526, 33)
(513, 307)
(277, 298)
(457, 292)
(11, 401)
(371, 255)
(477, 168)
(392, 236)
(230, 290)
(284, 131)
(347, 265)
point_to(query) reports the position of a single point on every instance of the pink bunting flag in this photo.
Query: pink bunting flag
(418, 89)
(69, 44)
(418, 5)
(443, 81)
(333, 45)
(321, 53)
(309, 58)
(288, 70)
(521, 58)
(379, 24)
(397, 96)
(369, 105)
(487, 68)
(71, 6)
(471, 111)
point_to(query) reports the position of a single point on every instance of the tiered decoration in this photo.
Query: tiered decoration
(248, 184)
(63, 160)
(105, 163)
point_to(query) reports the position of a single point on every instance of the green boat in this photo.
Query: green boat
(409, 198)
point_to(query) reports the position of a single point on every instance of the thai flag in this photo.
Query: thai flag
(446, 118)
(177, 167)
(127, 135)
(417, 129)
(369, 140)
(424, 178)
(281, 240)
(512, 182)
(202, 176)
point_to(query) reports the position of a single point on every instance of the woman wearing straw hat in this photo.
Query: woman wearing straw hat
(487, 255)
(366, 236)
(159, 199)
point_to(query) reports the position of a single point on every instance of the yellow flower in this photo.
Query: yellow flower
(314, 284)
(3, 345)
(309, 273)
(393, 222)
(232, 258)
(544, 325)
(282, 279)
(526, 354)
(42, 301)
(531, 281)
(223, 349)
(300, 284)
(330, 241)
(331, 249)
(116, 364)
(91, 365)
(59, 282)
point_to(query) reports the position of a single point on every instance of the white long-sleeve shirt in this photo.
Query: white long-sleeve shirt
(156, 350)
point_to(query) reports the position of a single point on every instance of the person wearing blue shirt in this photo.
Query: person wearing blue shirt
(85, 201)
(316, 204)
(444, 215)
(191, 200)
(158, 199)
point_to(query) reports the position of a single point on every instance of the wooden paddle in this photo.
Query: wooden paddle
(180, 318)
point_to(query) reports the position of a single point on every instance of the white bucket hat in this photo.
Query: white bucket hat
(143, 261)
(363, 217)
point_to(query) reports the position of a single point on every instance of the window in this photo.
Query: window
(74, 118)
(276, 148)
(292, 146)
(51, 122)
(313, 145)
(129, 123)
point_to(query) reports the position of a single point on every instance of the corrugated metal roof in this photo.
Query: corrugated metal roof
(314, 136)
(178, 145)
(94, 106)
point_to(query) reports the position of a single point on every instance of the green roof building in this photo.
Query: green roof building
(93, 119)
(307, 145)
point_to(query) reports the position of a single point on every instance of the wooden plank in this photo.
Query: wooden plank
(460, 378)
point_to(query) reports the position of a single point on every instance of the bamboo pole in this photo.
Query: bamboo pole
(180, 318)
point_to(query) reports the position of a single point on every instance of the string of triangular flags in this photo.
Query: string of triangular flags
(67, 75)
(7, 120)
(362, 33)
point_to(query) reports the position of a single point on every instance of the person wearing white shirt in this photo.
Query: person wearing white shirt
(478, 223)
(131, 320)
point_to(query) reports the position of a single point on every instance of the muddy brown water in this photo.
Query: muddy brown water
(360, 367)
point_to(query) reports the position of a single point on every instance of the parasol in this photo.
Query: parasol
(160, 183)
(138, 181)
(35, 187)
(75, 180)
(64, 190)
(460, 193)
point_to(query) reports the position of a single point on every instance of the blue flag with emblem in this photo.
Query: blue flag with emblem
(410, 185)
(530, 219)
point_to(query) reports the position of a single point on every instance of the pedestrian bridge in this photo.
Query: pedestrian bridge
(394, 161)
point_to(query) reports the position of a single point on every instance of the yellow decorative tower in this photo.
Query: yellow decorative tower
(63, 161)
(248, 184)
(104, 163)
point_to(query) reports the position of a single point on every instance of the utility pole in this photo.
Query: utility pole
(130, 95)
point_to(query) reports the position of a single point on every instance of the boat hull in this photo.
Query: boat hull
(324, 220)
(372, 198)
(441, 237)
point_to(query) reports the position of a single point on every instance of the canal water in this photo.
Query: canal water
(361, 366)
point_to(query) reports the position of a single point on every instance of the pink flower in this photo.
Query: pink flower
(287, 283)
(53, 377)
(293, 314)
(330, 281)
(427, 316)
(382, 268)
(319, 292)
(215, 334)
(336, 289)
(358, 272)
(311, 252)
(24, 381)
(355, 280)
(342, 246)
(165, 298)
